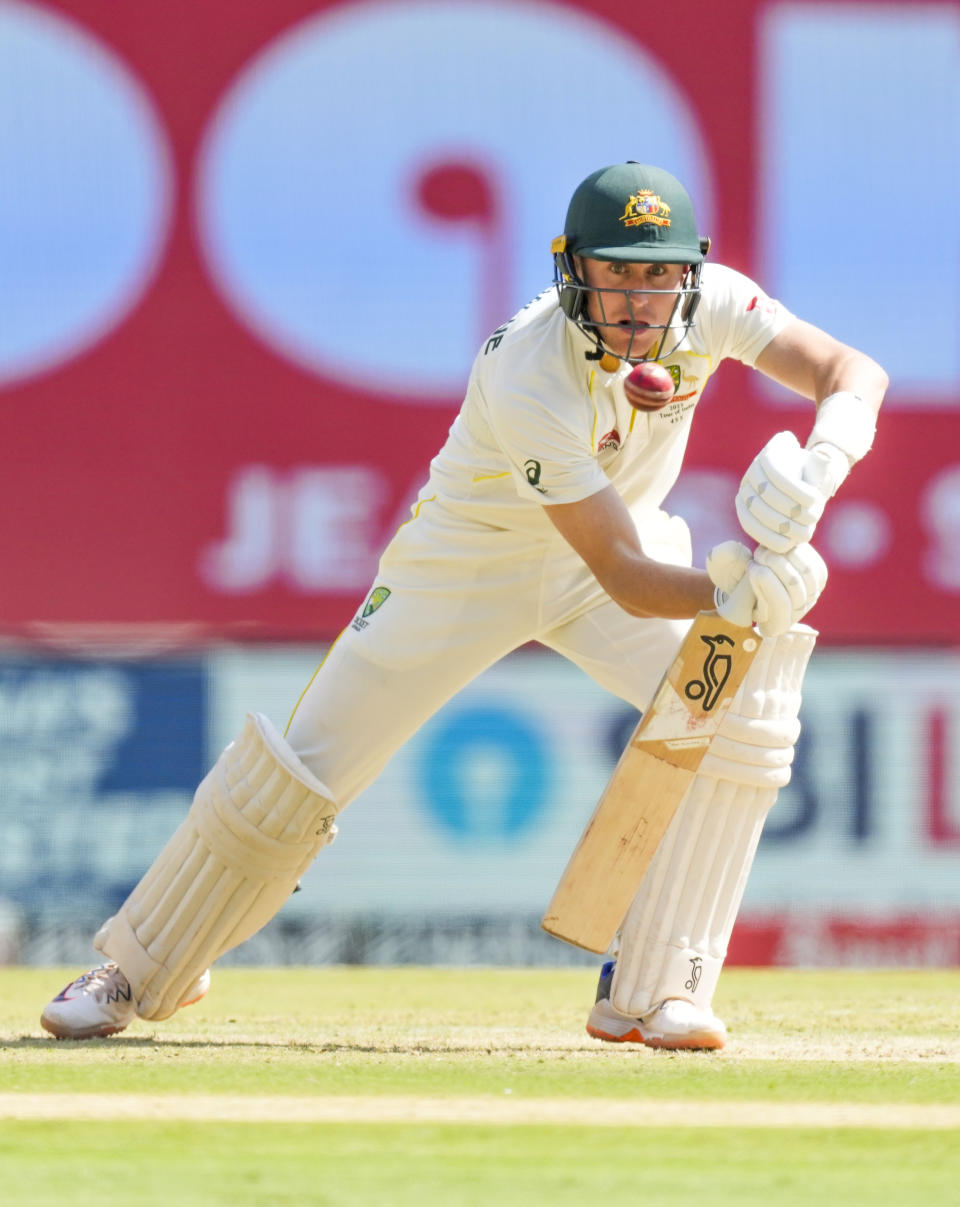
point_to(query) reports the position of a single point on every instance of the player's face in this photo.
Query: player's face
(641, 301)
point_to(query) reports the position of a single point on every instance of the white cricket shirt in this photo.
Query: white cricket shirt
(542, 424)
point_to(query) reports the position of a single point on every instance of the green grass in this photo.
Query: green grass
(155, 1165)
(833, 1041)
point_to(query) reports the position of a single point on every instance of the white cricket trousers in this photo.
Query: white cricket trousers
(461, 596)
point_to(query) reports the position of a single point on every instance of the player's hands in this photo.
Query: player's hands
(727, 566)
(783, 493)
(773, 590)
(825, 467)
(727, 563)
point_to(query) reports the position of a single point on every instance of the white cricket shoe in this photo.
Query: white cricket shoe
(675, 1023)
(100, 1003)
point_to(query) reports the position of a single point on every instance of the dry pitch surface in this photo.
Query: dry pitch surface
(480, 1086)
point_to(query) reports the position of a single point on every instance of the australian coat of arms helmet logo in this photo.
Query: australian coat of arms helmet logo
(646, 206)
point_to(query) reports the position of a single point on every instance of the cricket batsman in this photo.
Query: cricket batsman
(542, 520)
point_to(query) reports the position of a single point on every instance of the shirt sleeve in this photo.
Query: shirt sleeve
(548, 447)
(542, 419)
(739, 318)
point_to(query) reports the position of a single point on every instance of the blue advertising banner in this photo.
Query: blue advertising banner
(98, 763)
(452, 853)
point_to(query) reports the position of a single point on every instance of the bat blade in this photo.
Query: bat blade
(649, 782)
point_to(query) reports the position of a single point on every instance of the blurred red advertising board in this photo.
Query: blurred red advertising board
(257, 245)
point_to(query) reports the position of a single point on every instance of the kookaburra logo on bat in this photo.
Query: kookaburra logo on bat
(716, 672)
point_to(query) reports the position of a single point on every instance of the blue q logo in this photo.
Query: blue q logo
(485, 774)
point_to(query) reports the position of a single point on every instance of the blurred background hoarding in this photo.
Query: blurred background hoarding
(453, 852)
(247, 253)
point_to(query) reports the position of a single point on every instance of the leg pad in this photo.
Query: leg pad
(256, 823)
(673, 941)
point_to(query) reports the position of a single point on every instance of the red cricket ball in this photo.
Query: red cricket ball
(648, 387)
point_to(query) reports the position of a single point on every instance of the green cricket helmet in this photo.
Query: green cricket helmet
(629, 212)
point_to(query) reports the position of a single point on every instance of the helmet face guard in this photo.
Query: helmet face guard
(573, 293)
(635, 213)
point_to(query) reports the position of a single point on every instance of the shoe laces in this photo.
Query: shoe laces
(105, 981)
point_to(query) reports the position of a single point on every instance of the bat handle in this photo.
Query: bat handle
(739, 605)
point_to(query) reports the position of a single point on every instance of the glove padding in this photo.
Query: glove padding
(727, 564)
(786, 585)
(772, 590)
(783, 493)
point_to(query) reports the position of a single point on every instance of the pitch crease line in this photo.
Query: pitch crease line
(504, 1110)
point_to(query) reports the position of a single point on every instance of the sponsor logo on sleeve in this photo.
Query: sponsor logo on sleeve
(533, 470)
(763, 305)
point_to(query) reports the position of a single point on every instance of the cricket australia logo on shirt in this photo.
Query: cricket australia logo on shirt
(376, 599)
(685, 386)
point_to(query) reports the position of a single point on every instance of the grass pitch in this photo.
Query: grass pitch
(463, 1087)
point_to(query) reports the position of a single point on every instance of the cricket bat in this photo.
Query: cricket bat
(649, 782)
